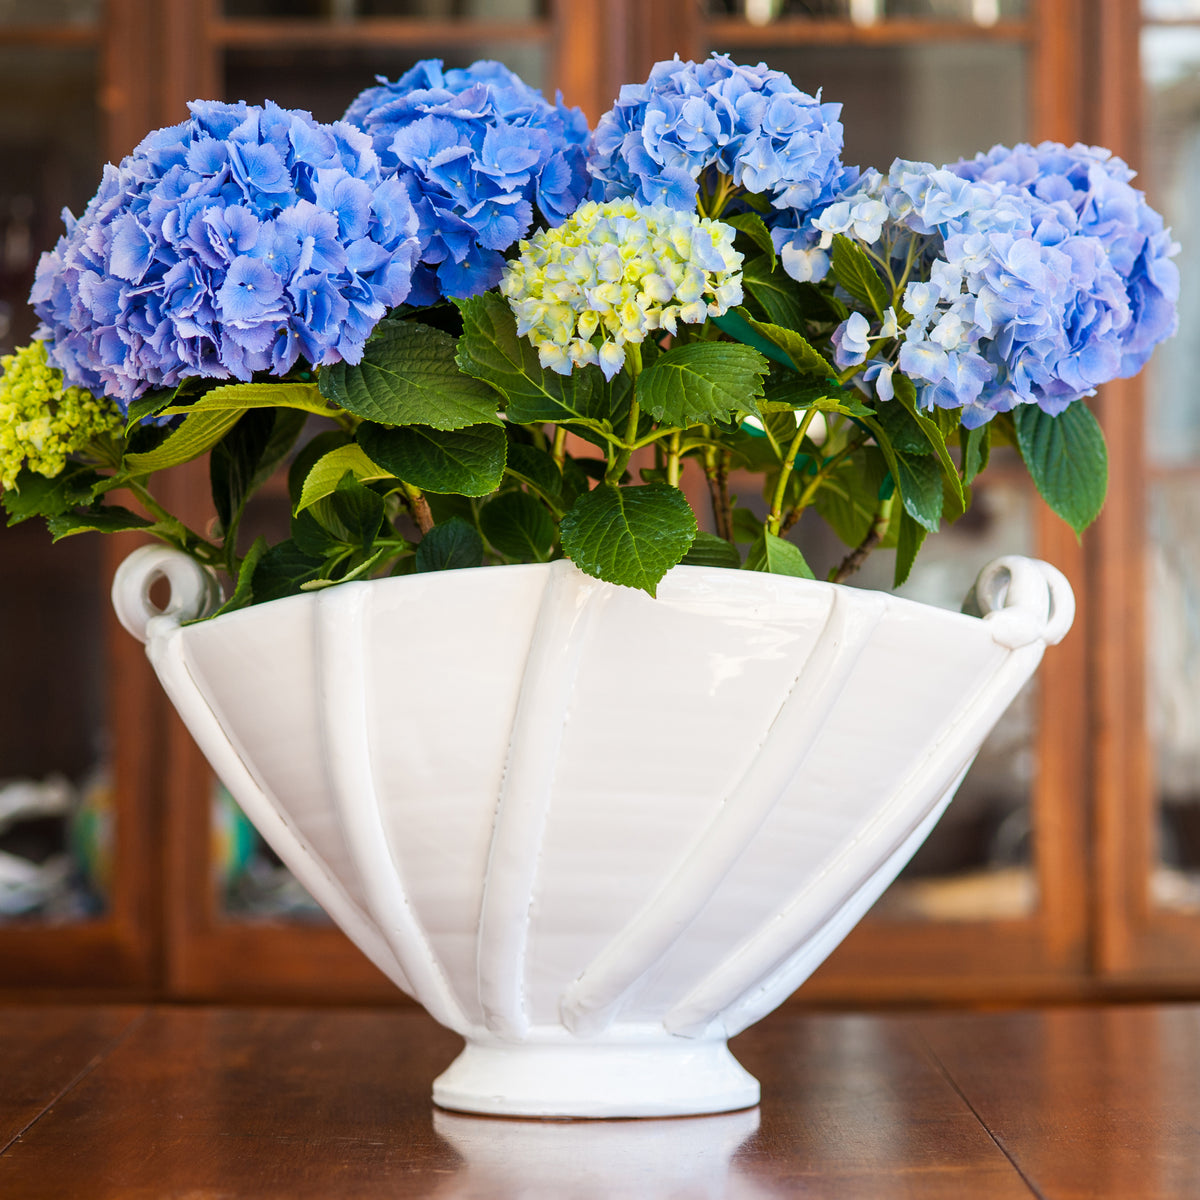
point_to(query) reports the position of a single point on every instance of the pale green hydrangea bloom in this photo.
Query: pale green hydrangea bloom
(615, 272)
(41, 422)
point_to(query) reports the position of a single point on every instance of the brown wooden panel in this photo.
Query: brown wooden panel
(1090, 1104)
(44, 1051)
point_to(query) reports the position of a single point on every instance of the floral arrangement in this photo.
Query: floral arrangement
(473, 331)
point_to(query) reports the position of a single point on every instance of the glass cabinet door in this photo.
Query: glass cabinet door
(75, 802)
(1149, 819)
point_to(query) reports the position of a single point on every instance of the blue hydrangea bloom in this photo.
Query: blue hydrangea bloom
(1011, 297)
(477, 148)
(663, 138)
(1086, 190)
(238, 241)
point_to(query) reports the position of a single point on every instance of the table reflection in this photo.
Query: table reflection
(599, 1160)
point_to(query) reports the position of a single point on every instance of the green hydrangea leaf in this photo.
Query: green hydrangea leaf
(920, 481)
(778, 556)
(1067, 459)
(309, 455)
(196, 435)
(110, 518)
(629, 535)
(233, 462)
(491, 350)
(702, 382)
(976, 445)
(408, 376)
(857, 274)
(755, 228)
(518, 526)
(243, 591)
(149, 404)
(351, 514)
(910, 537)
(849, 498)
(802, 357)
(449, 546)
(468, 462)
(327, 472)
(931, 430)
(708, 550)
(537, 470)
(36, 495)
(282, 571)
(774, 292)
(305, 397)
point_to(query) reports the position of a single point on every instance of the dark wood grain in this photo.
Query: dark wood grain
(1091, 1104)
(44, 1052)
(1070, 1104)
(854, 1108)
(281, 1103)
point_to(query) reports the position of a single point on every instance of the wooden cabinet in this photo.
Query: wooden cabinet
(1042, 880)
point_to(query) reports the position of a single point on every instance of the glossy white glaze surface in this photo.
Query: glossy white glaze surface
(568, 817)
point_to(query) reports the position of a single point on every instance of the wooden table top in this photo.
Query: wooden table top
(149, 1103)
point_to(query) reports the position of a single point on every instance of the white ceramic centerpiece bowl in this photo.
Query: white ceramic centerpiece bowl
(595, 833)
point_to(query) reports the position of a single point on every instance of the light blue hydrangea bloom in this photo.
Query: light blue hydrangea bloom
(615, 272)
(666, 138)
(239, 241)
(1086, 190)
(477, 148)
(1008, 297)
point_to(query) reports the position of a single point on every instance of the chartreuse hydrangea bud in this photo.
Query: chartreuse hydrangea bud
(615, 272)
(41, 422)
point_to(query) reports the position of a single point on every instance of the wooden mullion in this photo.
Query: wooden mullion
(1131, 941)
(371, 32)
(53, 37)
(730, 34)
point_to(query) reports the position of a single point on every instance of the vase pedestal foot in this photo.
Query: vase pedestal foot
(674, 1077)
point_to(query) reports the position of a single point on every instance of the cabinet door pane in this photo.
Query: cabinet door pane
(56, 806)
(1171, 67)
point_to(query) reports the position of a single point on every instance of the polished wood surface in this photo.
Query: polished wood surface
(169, 1102)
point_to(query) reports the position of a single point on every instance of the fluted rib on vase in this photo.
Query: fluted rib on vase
(591, 1002)
(341, 641)
(526, 794)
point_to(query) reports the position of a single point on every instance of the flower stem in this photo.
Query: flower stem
(559, 450)
(418, 506)
(875, 535)
(673, 460)
(179, 535)
(620, 460)
(774, 517)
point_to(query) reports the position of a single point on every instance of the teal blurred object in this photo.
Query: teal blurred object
(234, 839)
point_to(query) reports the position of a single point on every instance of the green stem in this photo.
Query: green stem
(875, 535)
(620, 460)
(673, 460)
(186, 539)
(559, 450)
(775, 515)
(655, 435)
(827, 468)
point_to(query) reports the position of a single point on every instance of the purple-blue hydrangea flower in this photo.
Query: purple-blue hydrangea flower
(1010, 298)
(477, 148)
(750, 124)
(1086, 190)
(238, 241)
